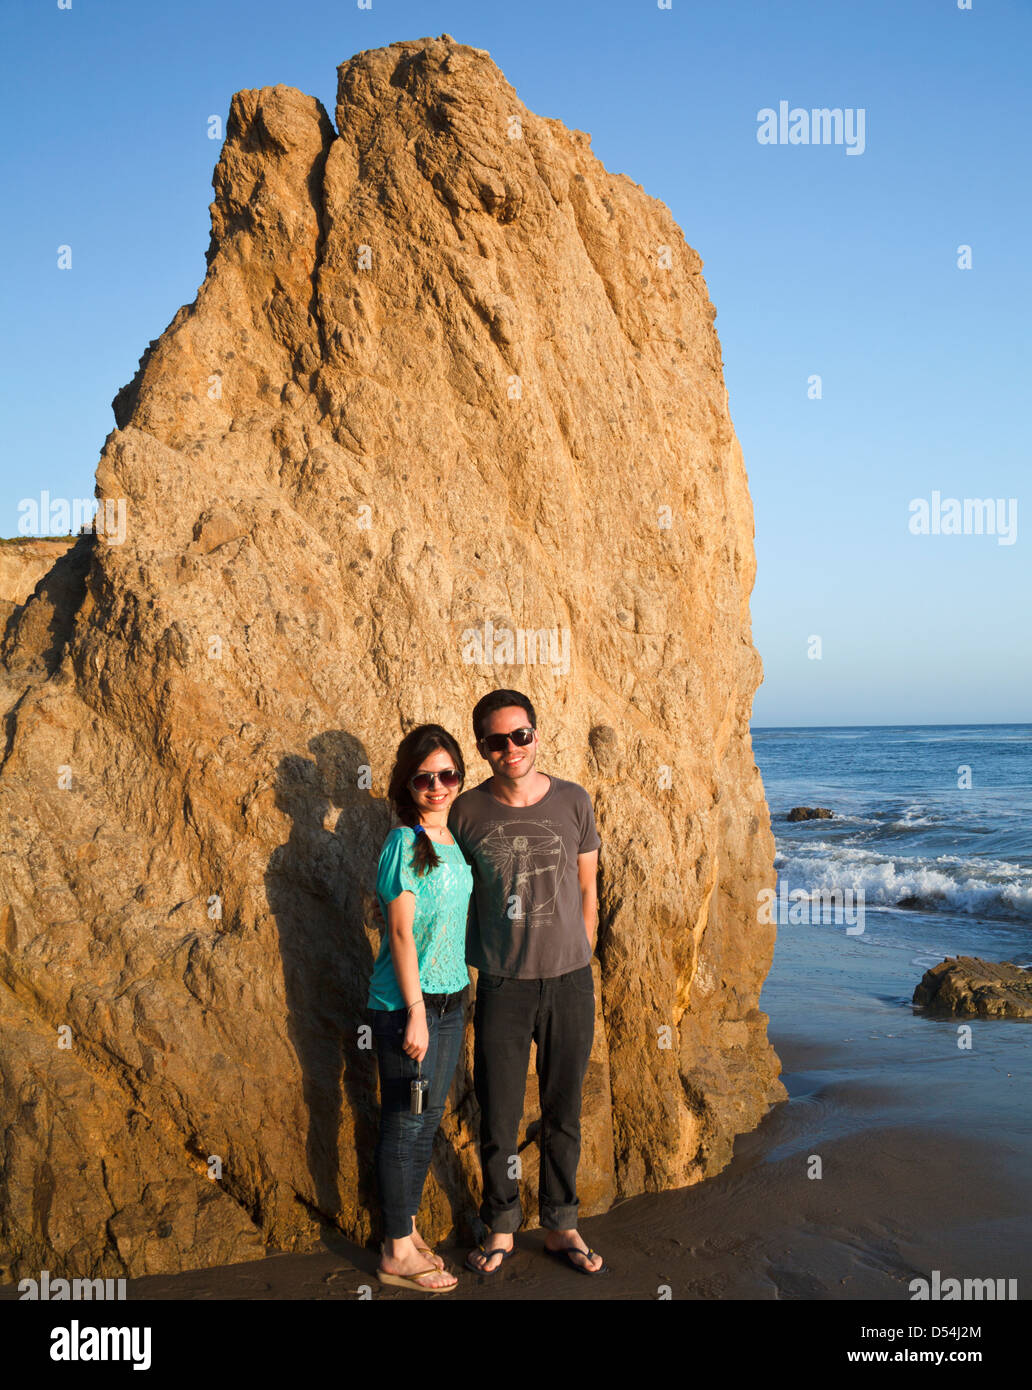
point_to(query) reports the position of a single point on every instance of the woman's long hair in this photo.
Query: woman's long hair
(413, 748)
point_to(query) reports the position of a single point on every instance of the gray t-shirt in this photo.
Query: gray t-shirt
(525, 920)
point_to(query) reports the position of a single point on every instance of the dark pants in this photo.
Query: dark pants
(406, 1141)
(559, 1015)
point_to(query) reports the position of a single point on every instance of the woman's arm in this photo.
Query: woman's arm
(400, 916)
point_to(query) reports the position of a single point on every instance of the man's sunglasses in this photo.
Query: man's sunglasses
(423, 781)
(498, 743)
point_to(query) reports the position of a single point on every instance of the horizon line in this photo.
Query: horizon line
(997, 724)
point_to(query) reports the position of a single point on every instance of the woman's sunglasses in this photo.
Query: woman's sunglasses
(497, 743)
(423, 781)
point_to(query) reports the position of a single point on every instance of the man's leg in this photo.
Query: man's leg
(566, 1028)
(503, 1023)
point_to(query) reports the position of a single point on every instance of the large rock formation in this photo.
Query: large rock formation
(445, 377)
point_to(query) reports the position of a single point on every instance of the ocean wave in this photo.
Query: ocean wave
(919, 814)
(948, 883)
(968, 738)
(891, 817)
(893, 820)
(840, 820)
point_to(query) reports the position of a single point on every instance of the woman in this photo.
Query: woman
(418, 992)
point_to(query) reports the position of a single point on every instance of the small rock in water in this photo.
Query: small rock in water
(976, 988)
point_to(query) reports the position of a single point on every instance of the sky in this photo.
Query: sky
(821, 262)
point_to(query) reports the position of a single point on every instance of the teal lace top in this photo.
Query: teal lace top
(439, 925)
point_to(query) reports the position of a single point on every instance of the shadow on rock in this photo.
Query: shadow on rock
(320, 890)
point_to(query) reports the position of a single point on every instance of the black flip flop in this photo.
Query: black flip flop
(487, 1273)
(566, 1257)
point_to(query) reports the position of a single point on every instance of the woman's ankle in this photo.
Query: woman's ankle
(397, 1247)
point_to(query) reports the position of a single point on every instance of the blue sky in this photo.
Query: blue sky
(819, 262)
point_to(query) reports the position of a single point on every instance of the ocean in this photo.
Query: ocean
(932, 832)
(933, 826)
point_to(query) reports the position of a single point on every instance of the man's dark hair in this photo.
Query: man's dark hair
(499, 699)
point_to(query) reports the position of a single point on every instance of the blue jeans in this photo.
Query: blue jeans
(406, 1141)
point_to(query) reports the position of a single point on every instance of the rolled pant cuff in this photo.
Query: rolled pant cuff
(559, 1218)
(506, 1223)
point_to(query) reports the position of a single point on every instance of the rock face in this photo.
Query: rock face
(22, 564)
(446, 379)
(974, 988)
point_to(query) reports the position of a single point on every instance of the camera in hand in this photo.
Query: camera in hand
(417, 1094)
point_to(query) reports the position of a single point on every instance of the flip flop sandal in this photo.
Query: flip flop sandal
(566, 1257)
(423, 1250)
(431, 1254)
(411, 1281)
(487, 1273)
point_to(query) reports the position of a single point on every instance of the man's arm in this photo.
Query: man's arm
(587, 871)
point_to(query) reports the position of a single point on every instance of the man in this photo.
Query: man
(532, 843)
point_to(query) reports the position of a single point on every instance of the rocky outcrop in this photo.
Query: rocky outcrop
(22, 564)
(809, 813)
(447, 382)
(973, 988)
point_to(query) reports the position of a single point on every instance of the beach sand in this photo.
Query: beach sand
(925, 1152)
(885, 1212)
(894, 1203)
